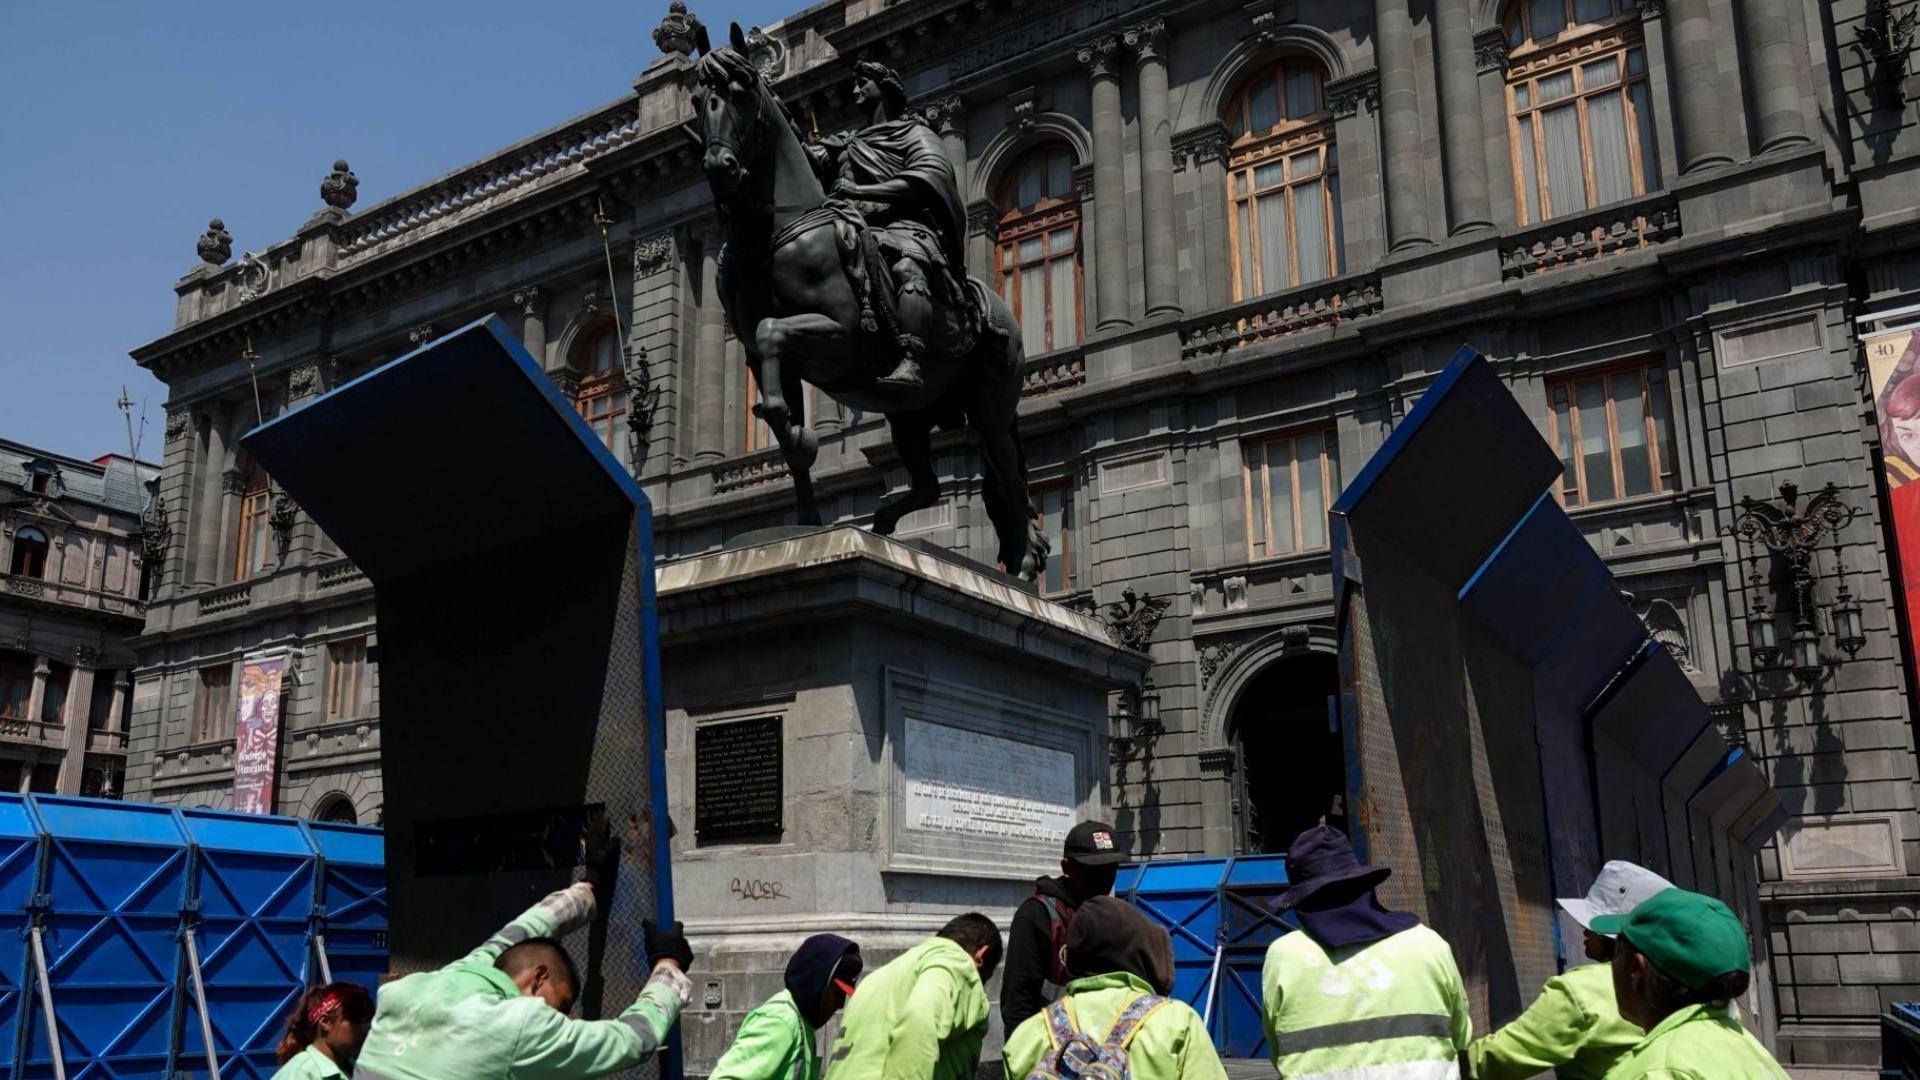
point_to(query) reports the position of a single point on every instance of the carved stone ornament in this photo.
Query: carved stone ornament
(1490, 51)
(947, 115)
(678, 32)
(281, 514)
(1214, 657)
(1345, 95)
(178, 421)
(642, 395)
(1665, 626)
(1886, 38)
(1652, 9)
(303, 380)
(982, 217)
(256, 277)
(767, 52)
(1101, 55)
(530, 300)
(652, 254)
(1148, 40)
(422, 334)
(341, 187)
(233, 482)
(1083, 180)
(1197, 146)
(1132, 619)
(216, 244)
(155, 535)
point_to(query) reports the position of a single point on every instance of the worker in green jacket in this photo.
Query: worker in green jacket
(777, 1040)
(1120, 969)
(1680, 960)
(500, 1012)
(1359, 990)
(1574, 1027)
(923, 1014)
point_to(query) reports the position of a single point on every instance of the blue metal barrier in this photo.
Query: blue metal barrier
(1220, 914)
(134, 930)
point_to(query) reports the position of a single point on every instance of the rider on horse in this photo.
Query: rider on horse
(895, 175)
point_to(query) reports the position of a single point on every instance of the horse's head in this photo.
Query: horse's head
(732, 103)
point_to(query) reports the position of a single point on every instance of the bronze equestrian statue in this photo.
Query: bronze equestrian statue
(862, 292)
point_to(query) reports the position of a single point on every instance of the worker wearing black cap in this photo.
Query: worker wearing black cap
(1037, 941)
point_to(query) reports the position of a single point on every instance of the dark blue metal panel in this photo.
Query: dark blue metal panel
(253, 883)
(116, 883)
(20, 867)
(353, 901)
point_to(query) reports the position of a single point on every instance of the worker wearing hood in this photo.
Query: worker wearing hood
(778, 1040)
(1120, 965)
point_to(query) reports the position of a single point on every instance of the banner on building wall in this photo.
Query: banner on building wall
(256, 745)
(1893, 368)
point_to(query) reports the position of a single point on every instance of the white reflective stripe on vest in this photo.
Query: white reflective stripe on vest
(1368, 1029)
(1405, 1070)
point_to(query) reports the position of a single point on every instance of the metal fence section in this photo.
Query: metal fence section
(132, 936)
(350, 940)
(1220, 914)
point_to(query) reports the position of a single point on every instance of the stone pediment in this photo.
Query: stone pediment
(37, 508)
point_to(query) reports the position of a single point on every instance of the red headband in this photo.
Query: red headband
(324, 1008)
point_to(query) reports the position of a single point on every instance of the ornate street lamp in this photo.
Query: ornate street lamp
(1137, 717)
(1794, 534)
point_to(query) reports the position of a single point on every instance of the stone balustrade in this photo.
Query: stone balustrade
(1050, 374)
(227, 599)
(1597, 234)
(1310, 307)
(59, 593)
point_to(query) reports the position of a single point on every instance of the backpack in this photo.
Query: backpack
(1059, 916)
(1076, 1057)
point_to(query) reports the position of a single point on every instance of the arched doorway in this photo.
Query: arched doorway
(336, 808)
(1292, 768)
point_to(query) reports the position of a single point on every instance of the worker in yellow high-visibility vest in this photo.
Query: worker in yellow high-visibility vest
(1360, 992)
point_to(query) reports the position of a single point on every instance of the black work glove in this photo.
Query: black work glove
(667, 944)
(599, 856)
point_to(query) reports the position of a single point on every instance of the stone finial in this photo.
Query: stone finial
(340, 187)
(216, 244)
(679, 31)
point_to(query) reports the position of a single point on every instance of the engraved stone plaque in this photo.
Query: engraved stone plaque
(737, 779)
(974, 784)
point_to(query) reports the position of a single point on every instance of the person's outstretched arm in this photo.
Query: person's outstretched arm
(552, 1045)
(557, 914)
(1549, 1034)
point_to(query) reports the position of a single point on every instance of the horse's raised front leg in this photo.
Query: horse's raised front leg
(783, 345)
(913, 440)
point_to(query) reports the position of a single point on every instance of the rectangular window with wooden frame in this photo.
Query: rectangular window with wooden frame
(1614, 432)
(1055, 504)
(256, 500)
(346, 679)
(213, 710)
(1290, 481)
(1580, 108)
(1283, 177)
(1037, 248)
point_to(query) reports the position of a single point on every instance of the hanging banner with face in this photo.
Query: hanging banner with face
(256, 748)
(1893, 367)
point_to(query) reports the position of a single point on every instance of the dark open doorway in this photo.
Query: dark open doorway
(1292, 769)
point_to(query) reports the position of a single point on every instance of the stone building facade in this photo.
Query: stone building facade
(1241, 239)
(73, 545)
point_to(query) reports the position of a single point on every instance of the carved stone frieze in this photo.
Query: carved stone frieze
(178, 423)
(653, 253)
(303, 380)
(1198, 145)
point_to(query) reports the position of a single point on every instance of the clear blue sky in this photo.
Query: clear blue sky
(125, 125)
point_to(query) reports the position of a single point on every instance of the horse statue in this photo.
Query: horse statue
(818, 295)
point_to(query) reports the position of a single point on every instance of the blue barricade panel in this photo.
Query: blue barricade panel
(353, 900)
(19, 880)
(116, 880)
(253, 881)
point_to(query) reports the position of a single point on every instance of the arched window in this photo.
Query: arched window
(336, 807)
(1283, 180)
(1037, 247)
(1580, 108)
(255, 501)
(602, 397)
(29, 553)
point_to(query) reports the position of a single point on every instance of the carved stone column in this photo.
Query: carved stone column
(37, 697)
(1149, 44)
(1400, 128)
(1778, 65)
(1691, 36)
(532, 302)
(1102, 58)
(710, 356)
(949, 117)
(213, 463)
(1468, 207)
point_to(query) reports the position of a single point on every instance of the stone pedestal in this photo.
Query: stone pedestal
(865, 738)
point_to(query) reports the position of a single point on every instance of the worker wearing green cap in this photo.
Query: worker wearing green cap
(1680, 958)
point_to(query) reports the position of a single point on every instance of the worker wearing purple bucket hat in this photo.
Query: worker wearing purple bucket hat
(1361, 990)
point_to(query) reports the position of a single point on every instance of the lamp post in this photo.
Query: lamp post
(1137, 719)
(1793, 533)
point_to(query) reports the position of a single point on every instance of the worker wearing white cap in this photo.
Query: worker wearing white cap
(1574, 1027)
